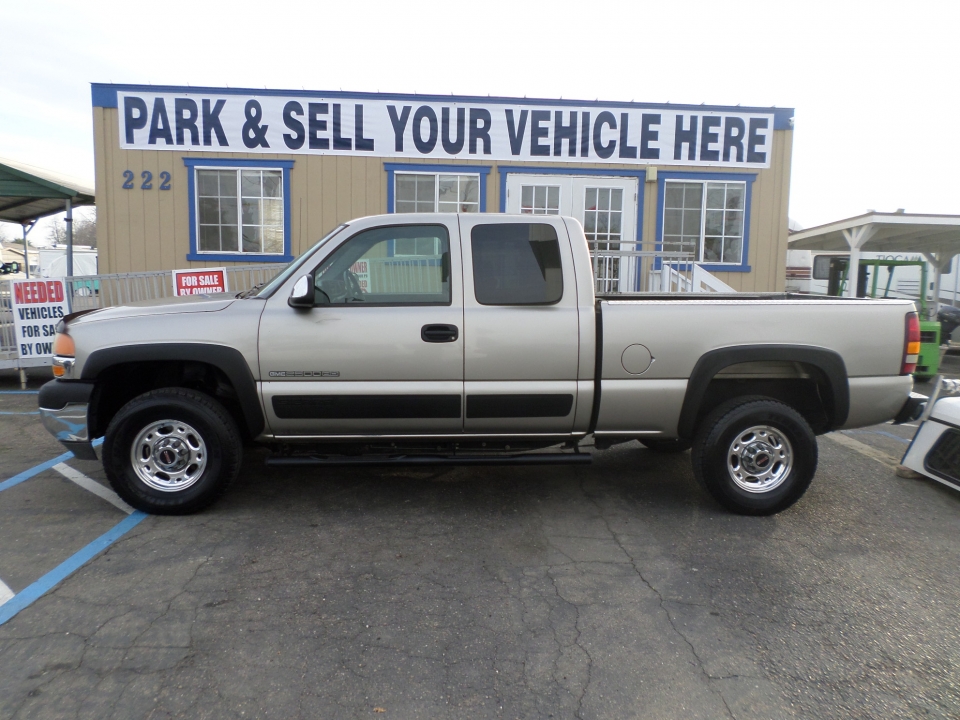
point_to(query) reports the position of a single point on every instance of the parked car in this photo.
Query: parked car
(471, 339)
(935, 449)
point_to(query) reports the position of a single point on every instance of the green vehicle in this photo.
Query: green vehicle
(928, 364)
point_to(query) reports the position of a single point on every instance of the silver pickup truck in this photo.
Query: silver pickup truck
(470, 339)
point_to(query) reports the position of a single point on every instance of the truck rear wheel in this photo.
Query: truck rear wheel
(755, 456)
(171, 451)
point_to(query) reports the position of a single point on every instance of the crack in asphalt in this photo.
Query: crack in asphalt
(699, 662)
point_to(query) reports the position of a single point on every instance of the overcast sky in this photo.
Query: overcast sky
(874, 84)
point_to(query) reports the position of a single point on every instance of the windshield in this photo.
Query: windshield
(294, 265)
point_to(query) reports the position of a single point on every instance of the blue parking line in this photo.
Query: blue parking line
(33, 592)
(19, 392)
(905, 441)
(37, 469)
(35, 412)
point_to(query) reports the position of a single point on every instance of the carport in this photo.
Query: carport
(936, 237)
(28, 193)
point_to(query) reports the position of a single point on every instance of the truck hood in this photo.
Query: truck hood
(160, 306)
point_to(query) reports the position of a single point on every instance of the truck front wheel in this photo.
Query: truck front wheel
(171, 451)
(755, 456)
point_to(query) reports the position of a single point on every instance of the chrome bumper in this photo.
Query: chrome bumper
(63, 409)
(69, 426)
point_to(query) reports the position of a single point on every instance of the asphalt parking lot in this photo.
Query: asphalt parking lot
(617, 590)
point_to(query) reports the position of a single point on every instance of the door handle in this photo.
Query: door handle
(439, 333)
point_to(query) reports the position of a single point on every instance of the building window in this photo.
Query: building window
(540, 199)
(240, 211)
(705, 219)
(436, 192)
(415, 246)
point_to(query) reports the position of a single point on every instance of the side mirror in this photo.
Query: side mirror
(302, 294)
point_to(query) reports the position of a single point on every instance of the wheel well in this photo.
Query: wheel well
(802, 386)
(119, 384)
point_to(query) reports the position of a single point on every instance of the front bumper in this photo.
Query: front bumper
(63, 409)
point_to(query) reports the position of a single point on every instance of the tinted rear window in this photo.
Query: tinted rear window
(516, 264)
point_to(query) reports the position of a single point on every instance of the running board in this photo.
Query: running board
(532, 459)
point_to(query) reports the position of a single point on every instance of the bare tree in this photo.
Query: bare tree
(84, 230)
(57, 232)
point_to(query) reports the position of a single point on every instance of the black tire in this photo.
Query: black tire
(209, 431)
(787, 469)
(673, 445)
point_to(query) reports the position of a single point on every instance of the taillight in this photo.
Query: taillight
(911, 344)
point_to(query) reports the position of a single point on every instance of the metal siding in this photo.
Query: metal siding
(153, 234)
(120, 261)
(104, 192)
(786, 164)
(178, 245)
(376, 195)
(313, 209)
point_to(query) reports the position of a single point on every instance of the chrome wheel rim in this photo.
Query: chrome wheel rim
(759, 459)
(169, 455)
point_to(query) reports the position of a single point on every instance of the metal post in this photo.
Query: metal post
(956, 282)
(856, 238)
(27, 227)
(26, 252)
(936, 292)
(69, 221)
(853, 272)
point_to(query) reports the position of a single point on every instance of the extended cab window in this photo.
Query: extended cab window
(516, 264)
(402, 265)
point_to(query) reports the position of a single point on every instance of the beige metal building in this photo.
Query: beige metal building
(192, 177)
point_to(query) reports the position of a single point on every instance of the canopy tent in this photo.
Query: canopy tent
(28, 193)
(936, 237)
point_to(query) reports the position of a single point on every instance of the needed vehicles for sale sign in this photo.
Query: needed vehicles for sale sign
(38, 305)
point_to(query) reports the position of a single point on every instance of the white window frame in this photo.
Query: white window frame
(436, 187)
(237, 169)
(532, 210)
(703, 216)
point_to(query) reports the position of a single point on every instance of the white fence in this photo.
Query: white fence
(665, 273)
(89, 292)
(421, 274)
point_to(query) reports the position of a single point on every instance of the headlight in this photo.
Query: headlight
(64, 355)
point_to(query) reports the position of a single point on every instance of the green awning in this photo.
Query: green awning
(28, 193)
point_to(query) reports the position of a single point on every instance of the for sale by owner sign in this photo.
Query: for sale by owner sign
(200, 282)
(37, 308)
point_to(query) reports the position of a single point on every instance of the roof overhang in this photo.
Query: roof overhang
(884, 232)
(28, 193)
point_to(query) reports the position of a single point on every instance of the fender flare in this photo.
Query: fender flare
(227, 359)
(827, 361)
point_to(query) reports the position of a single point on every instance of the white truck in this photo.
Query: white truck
(471, 339)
